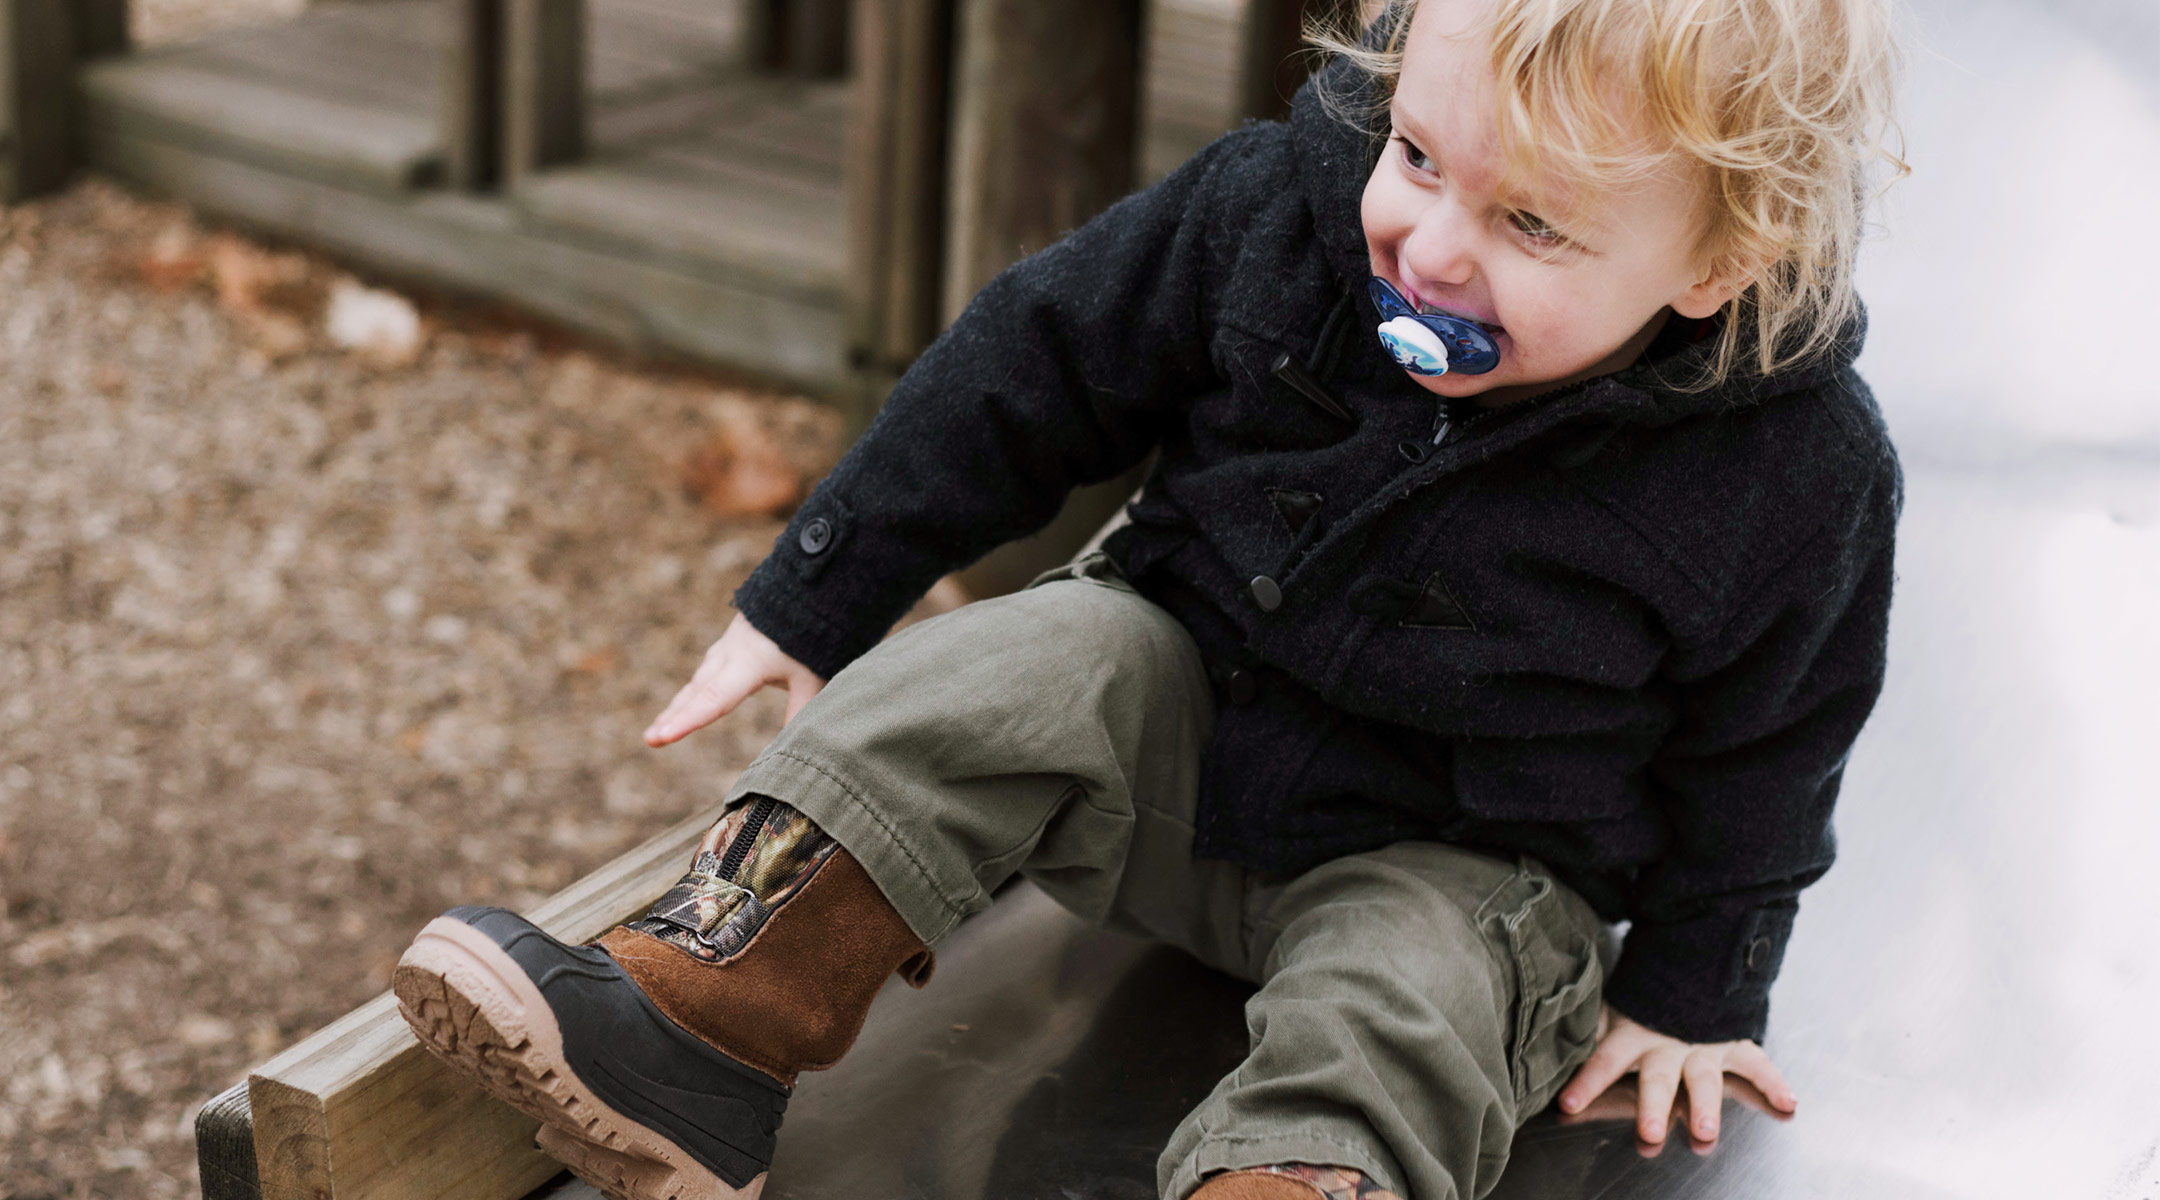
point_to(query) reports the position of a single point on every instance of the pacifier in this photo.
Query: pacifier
(1431, 343)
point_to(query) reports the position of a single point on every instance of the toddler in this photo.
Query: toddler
(1517, 559)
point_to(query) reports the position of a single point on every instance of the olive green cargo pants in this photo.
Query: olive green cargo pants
(1416, 1003)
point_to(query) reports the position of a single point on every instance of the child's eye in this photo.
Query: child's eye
(1416, 159)
(1538, 230)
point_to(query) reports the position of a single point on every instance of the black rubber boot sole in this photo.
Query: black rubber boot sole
(626, 1098)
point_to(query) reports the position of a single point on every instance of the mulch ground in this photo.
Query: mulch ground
(301, 644)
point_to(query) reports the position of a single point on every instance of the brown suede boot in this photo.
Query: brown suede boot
(659, 1059)
(1292, 1181)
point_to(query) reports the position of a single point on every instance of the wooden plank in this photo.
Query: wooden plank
(543, 86)
(337, 59)
(747, 167)
(635, 52)
(308, 136)
(360, 1112)
(622, 124)
(729, 216)
(745, 153)
(393, 21)
(895, 183)
(482, 246)
(625, 123)
(37, 55)
(720, 22)
(810, 129)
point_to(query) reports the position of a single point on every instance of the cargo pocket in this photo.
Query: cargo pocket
(1558, 986)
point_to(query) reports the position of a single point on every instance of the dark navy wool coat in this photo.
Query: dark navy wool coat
(1627, 628)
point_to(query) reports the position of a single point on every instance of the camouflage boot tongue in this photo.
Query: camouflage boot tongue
(756, 857)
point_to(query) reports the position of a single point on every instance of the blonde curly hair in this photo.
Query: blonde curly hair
(1784, 107)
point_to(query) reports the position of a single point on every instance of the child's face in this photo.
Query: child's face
(1577, 284)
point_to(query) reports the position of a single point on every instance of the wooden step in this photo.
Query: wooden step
(742, 177)
(215, 110)
(483, 246)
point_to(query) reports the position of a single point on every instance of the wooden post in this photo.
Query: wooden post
(804, 39)
(471, 105)
(1045, 124)
(895, 182)
(37, 67)
(1267, 73)
(543, 86)
(1046, 135)
(101, 28)
(1272, 64)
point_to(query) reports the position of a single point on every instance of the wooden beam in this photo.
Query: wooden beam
(543, 104)
(470, 109)
(895, 184)
(37, 66)
(360, 1112)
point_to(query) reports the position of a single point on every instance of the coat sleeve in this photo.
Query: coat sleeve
(1769, 710)
(1059, 373)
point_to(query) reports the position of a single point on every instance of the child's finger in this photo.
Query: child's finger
(711, 694)
(800, 688)
(1605, 1065)
(1660, 1075)
(1750, 1062)
(1704, 1074)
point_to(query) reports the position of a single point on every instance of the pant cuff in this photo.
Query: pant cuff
(1234, 1153)
(841, 810)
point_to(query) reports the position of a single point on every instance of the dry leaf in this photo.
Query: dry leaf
(740, 471)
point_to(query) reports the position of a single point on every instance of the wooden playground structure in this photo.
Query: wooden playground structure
(806, 190)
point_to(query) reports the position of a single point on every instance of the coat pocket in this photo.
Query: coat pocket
(1558, 984)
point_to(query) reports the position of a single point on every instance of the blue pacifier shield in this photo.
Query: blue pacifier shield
(1430, 343)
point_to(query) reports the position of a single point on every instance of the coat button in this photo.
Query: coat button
(1266, 593)
(1243, 687)
(816, 536)
(1758, 953)
(1411, 450)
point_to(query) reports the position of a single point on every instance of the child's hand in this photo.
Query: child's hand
(741, 662)
(1663, 1063)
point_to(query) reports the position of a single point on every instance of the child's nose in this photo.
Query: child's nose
(1442, 246)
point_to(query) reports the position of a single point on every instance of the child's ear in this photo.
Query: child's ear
(1722, 279)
